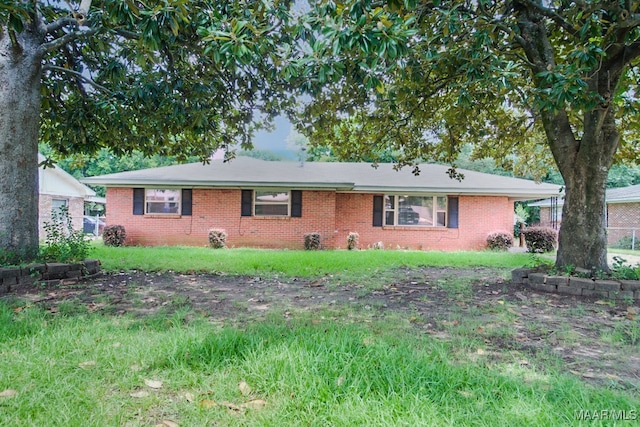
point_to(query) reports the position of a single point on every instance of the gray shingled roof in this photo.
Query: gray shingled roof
(245, 172)
(630, 194)
(624, 194)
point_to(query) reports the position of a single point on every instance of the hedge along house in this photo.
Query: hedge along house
(274, 204)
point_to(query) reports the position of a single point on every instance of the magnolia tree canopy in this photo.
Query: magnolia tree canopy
(157, 77)
(527, 82)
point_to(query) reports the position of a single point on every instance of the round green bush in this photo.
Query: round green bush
(540, 239)
(499, 240)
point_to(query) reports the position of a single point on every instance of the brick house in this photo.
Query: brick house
(273, 204)
(623, 213)
(56, 189)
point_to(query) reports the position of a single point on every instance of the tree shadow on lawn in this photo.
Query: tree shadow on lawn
(595, 340)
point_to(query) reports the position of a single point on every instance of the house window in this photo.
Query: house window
(162, 201)
(421, 211)
(57, 205)
(271, 203)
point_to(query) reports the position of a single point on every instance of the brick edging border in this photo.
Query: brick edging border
(48, 272)
(569, 285)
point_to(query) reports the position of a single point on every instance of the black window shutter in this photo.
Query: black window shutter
(138, 201)
(186, 201)
(296, 203)
(453, 212)
(247, 202)
(377, 211)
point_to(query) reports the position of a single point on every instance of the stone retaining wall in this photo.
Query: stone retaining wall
(611, 288)
(48, 273)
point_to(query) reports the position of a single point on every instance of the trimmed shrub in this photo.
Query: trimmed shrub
(352, 241)
(540, 239)
(114, 235)
(499, 240)
(378, 245)
(312, 241)
(217, 238)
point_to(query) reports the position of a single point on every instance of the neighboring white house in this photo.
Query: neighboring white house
(58, 188)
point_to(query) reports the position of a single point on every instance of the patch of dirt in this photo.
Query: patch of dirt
(596, 340)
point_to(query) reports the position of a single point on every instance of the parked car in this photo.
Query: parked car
(89, 225)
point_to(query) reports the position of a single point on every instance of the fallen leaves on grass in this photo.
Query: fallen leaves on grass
(252, 404)
(86, 365)
(245, 389)
(139, 394)
(153, 384)
(8, 393)
(593, 375)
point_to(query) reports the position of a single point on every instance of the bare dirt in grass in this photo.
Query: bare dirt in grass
(593, 339)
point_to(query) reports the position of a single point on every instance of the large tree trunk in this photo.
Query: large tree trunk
(583, 153)
(20, 73)
(584, 165)
(582, 237)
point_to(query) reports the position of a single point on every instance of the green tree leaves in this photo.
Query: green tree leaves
(176, 78)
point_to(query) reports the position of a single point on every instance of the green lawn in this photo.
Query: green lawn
(338, 367)
(292, 263)
(91, 370)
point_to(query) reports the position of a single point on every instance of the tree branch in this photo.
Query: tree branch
(77, 75)
(551, 15)
(631, 22)
(67, 38)
(631, 52)
(130, 35)
(60, 23)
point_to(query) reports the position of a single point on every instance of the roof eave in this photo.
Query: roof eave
(339, 186)
(511, 193)
(629, 200)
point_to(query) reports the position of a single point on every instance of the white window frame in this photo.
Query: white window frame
(257, 202)
(178, 208)
(391, 204)
(56, 201)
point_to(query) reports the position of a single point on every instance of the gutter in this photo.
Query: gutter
(338, 186)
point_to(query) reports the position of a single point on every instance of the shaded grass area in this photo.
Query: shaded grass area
(292, 263)
(90, 370)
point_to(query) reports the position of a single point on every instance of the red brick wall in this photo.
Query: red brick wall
(477, 217)
(622, 215)
(221, 209)
(325, 212)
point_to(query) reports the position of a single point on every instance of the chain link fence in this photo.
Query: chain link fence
(624, 237)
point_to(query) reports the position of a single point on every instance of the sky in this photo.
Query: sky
(276, 140)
